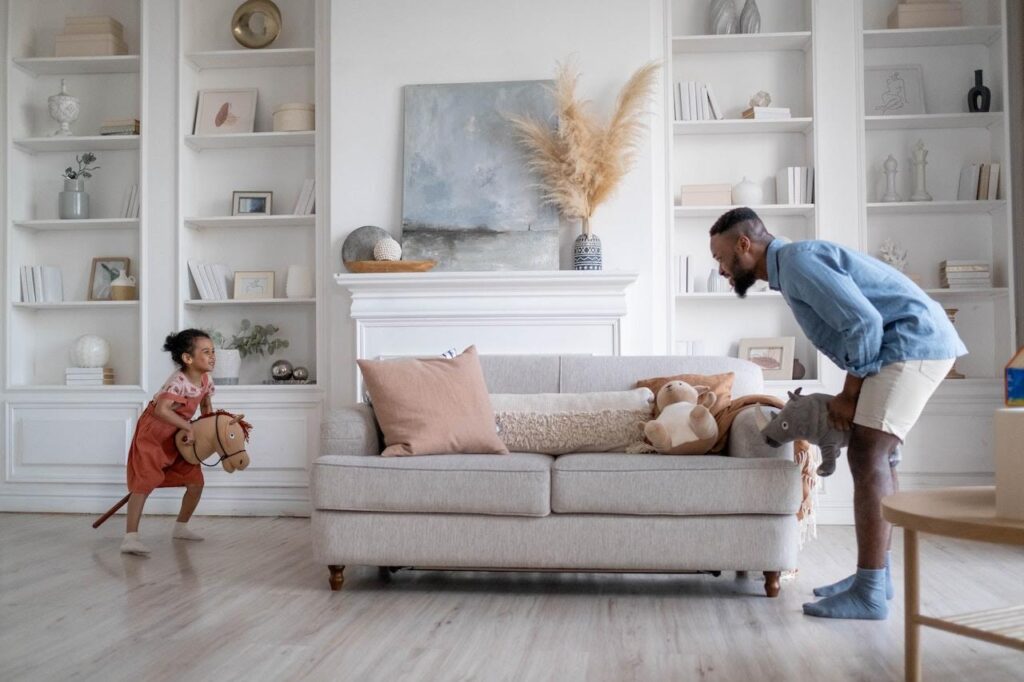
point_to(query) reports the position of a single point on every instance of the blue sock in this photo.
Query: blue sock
(865, 600)
(844, 584)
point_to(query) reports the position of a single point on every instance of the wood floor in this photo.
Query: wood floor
(250, 604)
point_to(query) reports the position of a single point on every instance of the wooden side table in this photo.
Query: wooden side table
(968, 514)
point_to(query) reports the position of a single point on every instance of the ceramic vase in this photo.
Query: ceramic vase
(722, 17)
(750, 18)
(979, 98)
(64, 109)
(299, 283)
(73, 201)
(747, 193)
(225, 370)
(586, 252)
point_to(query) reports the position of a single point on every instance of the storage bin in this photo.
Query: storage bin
(293, 117)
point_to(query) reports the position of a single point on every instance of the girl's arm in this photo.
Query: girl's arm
(206, 405)
(165, 410)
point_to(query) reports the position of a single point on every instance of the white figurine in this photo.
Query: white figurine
(890, 167)
(920, 159)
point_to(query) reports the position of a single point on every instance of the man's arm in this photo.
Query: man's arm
(843, 407)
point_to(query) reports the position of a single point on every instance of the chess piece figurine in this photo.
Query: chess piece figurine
(920, 160)
(890, 167)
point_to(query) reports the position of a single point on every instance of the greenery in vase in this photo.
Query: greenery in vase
(84, 169)
(250, 340)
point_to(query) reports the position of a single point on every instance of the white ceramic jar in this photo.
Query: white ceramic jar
(293, 117)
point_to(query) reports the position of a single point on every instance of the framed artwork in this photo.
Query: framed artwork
(254, 284)
(105, 269)
(247, 202)
(225, 112)
(893, 90)
(774, 355)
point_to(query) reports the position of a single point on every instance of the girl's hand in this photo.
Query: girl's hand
(190, 436)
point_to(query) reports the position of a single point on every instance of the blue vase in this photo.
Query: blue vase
(586, 252)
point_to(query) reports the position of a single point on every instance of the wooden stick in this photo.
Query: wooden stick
(110, 512)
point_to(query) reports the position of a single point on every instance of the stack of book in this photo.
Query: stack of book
(795, 185)
(306, 203)
(978, 181)
(965, 274)
(684, 275)
(130, 206)
(696, 102)
(212, 281)
(926, 14)
(120, 126)
(41, 284)
(96, 36)
(89, 376)
(767, 113)
(705, 195)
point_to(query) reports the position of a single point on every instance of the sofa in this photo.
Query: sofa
(575, 512)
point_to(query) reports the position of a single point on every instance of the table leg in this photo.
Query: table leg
(912, 602)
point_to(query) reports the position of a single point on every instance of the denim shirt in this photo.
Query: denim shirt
(860, 312)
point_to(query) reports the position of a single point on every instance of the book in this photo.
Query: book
(702, 101)
(691, 99)
(206, 272)
(53, 284)
(221, 276)
(26, 287)
(983, 176)
(310, 207)
(201, 285)
(89, 371)
(716, 110)
(993, 184)
(767, 113)
(967, 189)
(303, 198)
(677, 103)
(37, 283)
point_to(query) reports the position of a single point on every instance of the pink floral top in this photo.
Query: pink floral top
(179, 389)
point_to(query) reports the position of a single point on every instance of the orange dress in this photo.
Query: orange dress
(153, 460)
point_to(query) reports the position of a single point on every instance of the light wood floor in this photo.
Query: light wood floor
(249, 603)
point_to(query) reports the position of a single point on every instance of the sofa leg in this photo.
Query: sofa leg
(771, 583)
(337, 577)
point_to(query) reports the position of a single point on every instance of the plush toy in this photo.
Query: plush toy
(685, 425)
(218, 432)
(806, 417)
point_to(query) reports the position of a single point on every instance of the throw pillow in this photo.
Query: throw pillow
(720, 385)
(432, 406)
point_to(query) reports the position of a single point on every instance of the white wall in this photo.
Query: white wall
(378, 47)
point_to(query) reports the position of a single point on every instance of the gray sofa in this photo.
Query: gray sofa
(577, 512)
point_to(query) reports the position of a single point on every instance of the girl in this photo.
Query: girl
(153, 461)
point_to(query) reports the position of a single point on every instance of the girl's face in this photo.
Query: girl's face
(203, 357)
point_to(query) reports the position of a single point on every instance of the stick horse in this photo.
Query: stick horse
(219, 432)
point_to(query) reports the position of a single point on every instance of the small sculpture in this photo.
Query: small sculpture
(892, 254)
(920, 160)
(300, 374)
(387, 249)
(281, 370)
(760, 99)
(750, 18)
(890, 167)
(722, 15)
(979, 98)
(64, 109)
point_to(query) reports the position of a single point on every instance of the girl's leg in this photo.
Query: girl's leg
(135, 504)
(188, 505)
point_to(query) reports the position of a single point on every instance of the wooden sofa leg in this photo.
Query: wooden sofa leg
(338, 577)
(771, 583)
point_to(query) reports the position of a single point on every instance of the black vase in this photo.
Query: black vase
(979, 98)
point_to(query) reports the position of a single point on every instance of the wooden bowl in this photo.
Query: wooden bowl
(364, 266)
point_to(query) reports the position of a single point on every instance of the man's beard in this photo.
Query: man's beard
(742, 280)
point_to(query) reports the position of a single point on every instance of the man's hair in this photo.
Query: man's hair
(745, 221)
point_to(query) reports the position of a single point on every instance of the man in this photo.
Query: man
(896, 345)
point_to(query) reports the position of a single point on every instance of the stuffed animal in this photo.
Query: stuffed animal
(219, 432)
(685, 425)
(806, 417)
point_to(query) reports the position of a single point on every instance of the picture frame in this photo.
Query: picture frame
(104, 270)
(227, 111)
(254, 284)
(773, 354)
(894, 90)
(252, 202)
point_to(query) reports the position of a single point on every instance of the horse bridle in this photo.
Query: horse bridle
(216, 432)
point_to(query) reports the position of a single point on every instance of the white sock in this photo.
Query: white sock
(132, 545)
(182, 532)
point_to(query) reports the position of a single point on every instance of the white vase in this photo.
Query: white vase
(747, 193)
(299, 283)
(225, 370)
(64, 109)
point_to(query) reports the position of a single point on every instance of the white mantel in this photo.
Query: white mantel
(500, 312)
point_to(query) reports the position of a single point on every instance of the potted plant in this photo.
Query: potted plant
(74, 202)
(250, 340)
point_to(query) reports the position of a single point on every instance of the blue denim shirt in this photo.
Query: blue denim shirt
(860, 312)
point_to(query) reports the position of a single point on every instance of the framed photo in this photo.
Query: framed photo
(224, 112)
(773, 354)
(105, 270)
(251, 203)
(893, 90)
(254, 285)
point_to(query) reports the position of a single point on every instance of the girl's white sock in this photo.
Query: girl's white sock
(182, 532)
(132, 545)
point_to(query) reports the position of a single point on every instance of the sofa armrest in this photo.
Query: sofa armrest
(351, 430)
(745, 439)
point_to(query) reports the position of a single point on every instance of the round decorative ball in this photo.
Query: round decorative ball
(300, 374)
(90, 350)
(760, 99)
(360, 242)
(387, 249)
(281, 370)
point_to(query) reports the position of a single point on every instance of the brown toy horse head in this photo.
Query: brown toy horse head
(219, 432)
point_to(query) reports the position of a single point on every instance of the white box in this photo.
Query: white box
(93, 25)
(88, 45)
(1009, 426)
(926, 15)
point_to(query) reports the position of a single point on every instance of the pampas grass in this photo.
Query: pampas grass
(581, 162)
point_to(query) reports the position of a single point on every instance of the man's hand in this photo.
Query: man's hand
(841, 410)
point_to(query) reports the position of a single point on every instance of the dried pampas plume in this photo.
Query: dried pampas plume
(581, 162)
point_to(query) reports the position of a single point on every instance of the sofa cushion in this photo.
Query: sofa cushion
(515, 485)
(613, 483)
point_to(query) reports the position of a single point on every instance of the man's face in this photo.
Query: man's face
(735, 261)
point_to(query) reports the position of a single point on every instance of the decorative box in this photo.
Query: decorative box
(705, 195)
(293, 117)
(1014, 388)
(926, 15)
(93, 25)
(89, 45)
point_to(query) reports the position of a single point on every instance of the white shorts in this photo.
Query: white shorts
(892, 400)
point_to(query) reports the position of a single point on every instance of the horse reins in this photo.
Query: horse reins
(216, 432)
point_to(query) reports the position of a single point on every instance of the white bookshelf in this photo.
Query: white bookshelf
(935, 121)
(754, 42)
(740, 126)
(950, 207)
(78, 143)
(251, 59)
(245, 302)
(250, 140)
(243, 221)
(931, 37)
(773, 210)
(77, 66)
(79, 225)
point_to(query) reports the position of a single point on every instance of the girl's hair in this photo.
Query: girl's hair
(183, 342)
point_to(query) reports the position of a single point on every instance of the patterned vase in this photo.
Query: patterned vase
(586, 252)
(722, 17)
(750, 18)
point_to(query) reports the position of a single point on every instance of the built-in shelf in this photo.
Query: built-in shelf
(225, 391)
(60, 388)
(931, 37)
(804, 210)
(251, 59)
(73, 66)
(725, 295)
(84, 143)
(742, 42)
(934, 121)
(250, 140)
(932, 207)
(991, 292)
(79, 225)
(233, 302)
(76, 305)
(277, 221)
(738, 126)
